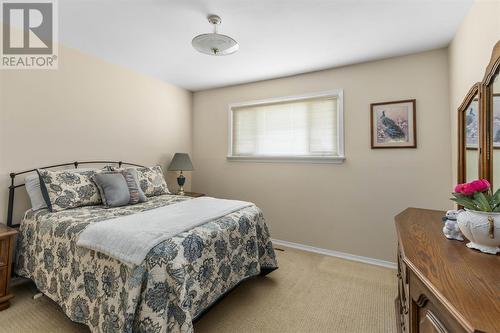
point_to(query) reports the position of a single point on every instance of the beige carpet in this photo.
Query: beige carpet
(309, 293)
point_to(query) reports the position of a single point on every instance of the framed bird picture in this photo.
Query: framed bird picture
(496, 121)
(394, 124)
(472, 125)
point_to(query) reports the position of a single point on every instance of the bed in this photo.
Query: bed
(179, 279)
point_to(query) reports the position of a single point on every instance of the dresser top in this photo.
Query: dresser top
(6, 231)
(466, 281)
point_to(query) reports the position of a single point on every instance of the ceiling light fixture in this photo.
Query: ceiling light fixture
(214, 43)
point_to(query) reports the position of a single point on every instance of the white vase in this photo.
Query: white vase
(482, 229)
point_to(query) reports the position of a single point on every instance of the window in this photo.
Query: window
(306, 128)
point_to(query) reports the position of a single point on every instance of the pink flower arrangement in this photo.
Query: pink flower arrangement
(468, 189)
(477, 196)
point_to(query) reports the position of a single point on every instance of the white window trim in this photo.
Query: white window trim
(338, 93)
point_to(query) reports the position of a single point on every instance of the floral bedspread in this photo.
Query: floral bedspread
(179, 278)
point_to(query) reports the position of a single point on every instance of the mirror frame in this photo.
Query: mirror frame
(474, 91)
(485, 126)
(492, 70)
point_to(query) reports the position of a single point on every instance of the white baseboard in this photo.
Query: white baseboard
(343, 255)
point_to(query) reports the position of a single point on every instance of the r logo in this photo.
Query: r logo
(29, 37)
(28, 28)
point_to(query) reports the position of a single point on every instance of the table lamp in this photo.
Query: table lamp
(181, 162)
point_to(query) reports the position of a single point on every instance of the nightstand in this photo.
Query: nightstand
(7, 241)
(194, 194)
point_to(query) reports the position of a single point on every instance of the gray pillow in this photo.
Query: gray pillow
(32, 183)
(113, 188)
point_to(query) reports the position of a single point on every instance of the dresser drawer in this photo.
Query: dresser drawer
(429, 322)
(4, 251)
(7, 241)
(428, 314)
(3, 280)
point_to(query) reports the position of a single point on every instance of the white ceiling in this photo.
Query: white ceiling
(277, 38)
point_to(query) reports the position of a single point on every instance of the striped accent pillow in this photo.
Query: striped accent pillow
(136, 193)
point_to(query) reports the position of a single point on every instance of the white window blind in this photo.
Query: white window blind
(305, 127)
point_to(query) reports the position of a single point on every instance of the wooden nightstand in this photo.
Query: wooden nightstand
(194, 194)
(7, 241)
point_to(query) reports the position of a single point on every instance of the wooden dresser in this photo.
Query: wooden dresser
(7, 240)
(443, 285)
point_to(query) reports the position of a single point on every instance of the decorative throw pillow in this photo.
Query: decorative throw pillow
(113, 188)
(152, 181)
(136, 193)
(119, 188)
(68, 189)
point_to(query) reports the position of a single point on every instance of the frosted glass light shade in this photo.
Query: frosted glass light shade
(215, 44)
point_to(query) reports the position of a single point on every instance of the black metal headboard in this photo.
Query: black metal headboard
(12, 187)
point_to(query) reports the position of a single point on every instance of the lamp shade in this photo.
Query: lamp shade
(180, 162)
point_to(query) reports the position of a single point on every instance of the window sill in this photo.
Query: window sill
(288, 159)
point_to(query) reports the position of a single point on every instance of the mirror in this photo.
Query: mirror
(472, 140)
(495, 135)
(469, 137)
(479, 127)
(490, 101)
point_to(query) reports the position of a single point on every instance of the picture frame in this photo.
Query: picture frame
(393, 124)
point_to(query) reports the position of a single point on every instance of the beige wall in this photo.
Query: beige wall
(88, 109)
(91, 109)
(348, 207)
(469, 54)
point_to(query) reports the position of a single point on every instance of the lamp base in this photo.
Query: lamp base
(181, 180)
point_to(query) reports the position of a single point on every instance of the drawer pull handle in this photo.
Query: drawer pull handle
(435, 322)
